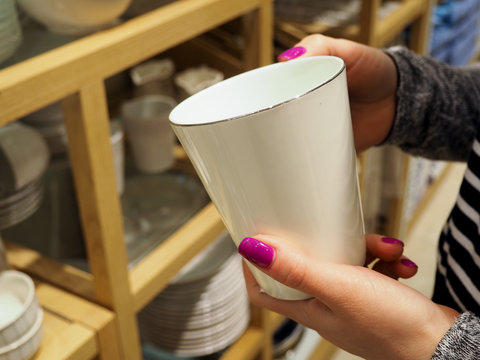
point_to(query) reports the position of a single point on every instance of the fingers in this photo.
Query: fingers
(389, 253)
(383, 248)
(317, 44)
(297, 310)
(401, 268)
(298, 269)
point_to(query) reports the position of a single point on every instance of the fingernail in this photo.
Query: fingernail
(408, 263)
(257, 252)
(292, 53)
(389, 240)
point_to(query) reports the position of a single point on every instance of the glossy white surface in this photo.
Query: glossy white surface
(285, 163)
(74, 17)
(18, 306)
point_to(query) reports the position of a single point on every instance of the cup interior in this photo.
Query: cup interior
(16, 292)
(257, 90)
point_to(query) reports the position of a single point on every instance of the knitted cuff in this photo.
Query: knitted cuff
(462, 341)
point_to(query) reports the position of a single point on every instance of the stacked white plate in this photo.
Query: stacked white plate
(10, 30)
(19, 205)
(24, 158)
(206, 307)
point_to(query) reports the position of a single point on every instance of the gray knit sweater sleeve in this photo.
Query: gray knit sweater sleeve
(462, 341)
(438, 116)
(438, 107)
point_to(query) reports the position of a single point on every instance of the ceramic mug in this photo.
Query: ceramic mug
(274, 149)
(151, 138)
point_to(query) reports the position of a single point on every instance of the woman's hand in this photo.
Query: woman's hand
(356, 308)
(372, 84)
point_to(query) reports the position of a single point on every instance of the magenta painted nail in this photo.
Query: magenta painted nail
(292, 53)
(389, 240)
(408, 263)
(257, 252)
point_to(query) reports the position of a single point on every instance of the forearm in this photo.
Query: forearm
(438, 107)
(462, 341)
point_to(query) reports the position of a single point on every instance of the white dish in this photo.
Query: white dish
(208, 261)
(154, 206)
(18, 306)
(75, 17)
(202, 316)
(28, 344)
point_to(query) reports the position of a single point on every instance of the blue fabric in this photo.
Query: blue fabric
(453, 11)
(455, 28)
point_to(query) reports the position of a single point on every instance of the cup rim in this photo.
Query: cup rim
(28, 300)
(128, 104)
(179, 106)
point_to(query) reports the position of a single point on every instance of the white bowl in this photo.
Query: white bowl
(75, 17)
(27, 345)
(18, 307)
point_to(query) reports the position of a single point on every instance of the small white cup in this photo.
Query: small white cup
(154, 77)
(274, 149)
(151, 138)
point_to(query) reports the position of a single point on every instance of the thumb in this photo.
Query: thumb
(297, 269)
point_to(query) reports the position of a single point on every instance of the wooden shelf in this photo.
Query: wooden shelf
(74, 74)
(73, 328)
(369, 30)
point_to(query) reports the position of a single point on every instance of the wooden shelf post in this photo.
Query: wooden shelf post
(87, 122)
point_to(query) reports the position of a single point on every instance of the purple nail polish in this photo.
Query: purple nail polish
(392, 241)
(292, 53)
(257, 252)
(408, 263)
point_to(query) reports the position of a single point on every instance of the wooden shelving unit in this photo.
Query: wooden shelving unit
(73, 328)
(74, 74)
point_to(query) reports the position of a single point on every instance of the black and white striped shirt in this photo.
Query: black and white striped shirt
(438, 117)
(458, 272)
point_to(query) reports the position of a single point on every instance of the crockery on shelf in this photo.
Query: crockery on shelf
(146, 127)
(19, 310)
(204, 309)
(75, 17)
(195, 79)
(154, 77)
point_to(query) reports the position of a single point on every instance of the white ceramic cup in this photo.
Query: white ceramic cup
(274, 149)
(151, 138)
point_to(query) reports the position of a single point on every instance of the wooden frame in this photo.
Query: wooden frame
(78, 71)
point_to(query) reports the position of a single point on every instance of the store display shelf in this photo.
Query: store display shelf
(376, 34)
(49, 77)
(73, 328)
(147, 278)
(65, 340)
(74, 74)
